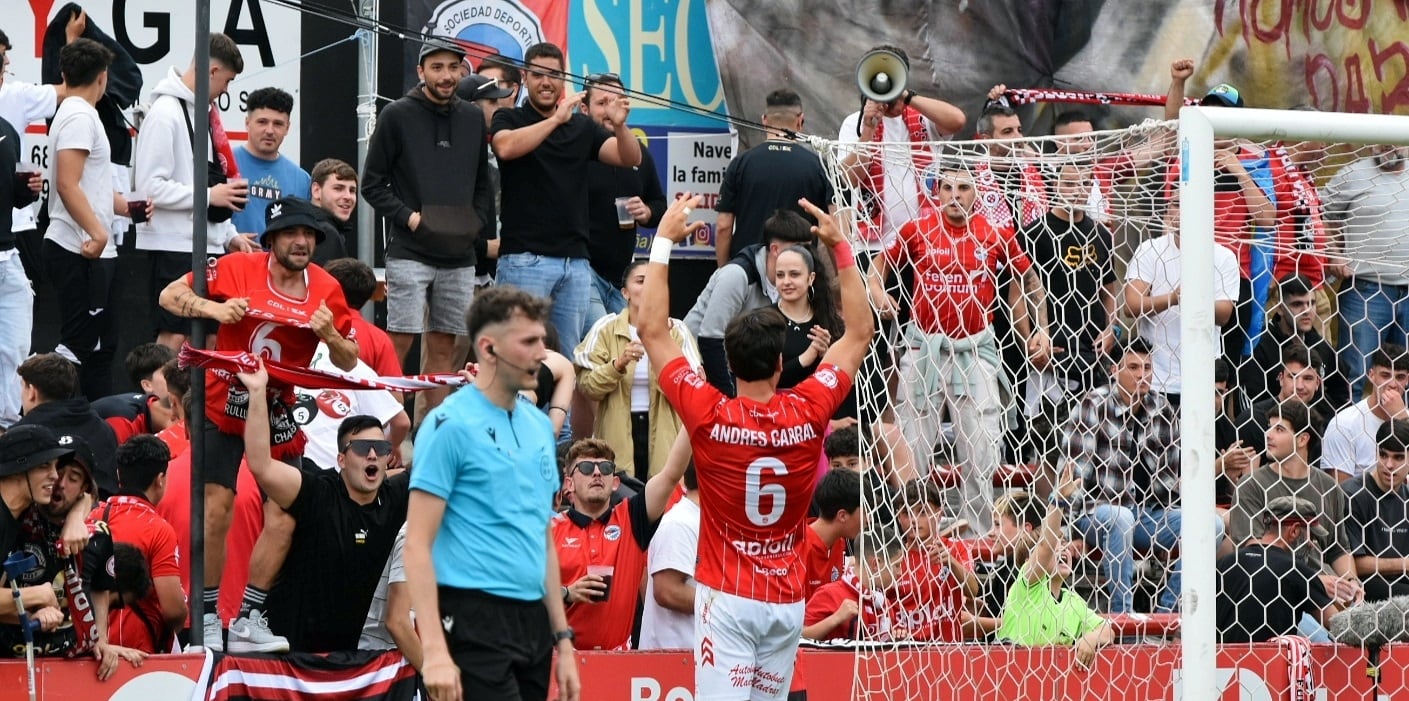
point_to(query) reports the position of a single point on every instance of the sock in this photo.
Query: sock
(253, 601)
(210, 596)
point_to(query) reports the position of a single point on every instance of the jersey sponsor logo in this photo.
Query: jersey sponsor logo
(757, 548)
(612, 532)
(827, 378)
(571, 542)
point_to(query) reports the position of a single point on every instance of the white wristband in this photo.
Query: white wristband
(660, 250)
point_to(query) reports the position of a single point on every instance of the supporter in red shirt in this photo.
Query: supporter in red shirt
(593, 534)
(936, 574)
(757, 459)
(957, 257)
(855, 607)
(277, 305)
(838, 497)
(150, 624)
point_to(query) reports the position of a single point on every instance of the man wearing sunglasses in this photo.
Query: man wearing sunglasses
(346, 523)
(602, 547)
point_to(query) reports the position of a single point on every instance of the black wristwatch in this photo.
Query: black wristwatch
(909, 95)
(566, 596)
(564, 634)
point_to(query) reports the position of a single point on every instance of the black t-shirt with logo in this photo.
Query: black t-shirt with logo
(770, 176)
(543, 193)
(1074, 260)
(1377, 522)
(1263, 590)
(339, 549)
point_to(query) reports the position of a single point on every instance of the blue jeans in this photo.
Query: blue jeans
(1119, 531)
(566, 281)
(1371, 314)
(17, 311)
(606, 299)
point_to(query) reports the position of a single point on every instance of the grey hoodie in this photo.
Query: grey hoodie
(162, 170)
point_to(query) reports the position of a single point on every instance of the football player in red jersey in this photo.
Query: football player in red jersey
(278, 305)
(757, 457)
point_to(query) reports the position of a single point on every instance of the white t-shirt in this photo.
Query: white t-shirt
(22, 104)
(77, 127)
(674, 547)
(640, 380)
(900, 191)
(1349, 445)
(321, 411)
(1158, 262)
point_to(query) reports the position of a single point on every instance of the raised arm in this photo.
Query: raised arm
(847, 351)
(1179, 72)
(653, 326)
(660, 487)
(1042, 562)
(280, 481)
(946, 118)
(623, 150)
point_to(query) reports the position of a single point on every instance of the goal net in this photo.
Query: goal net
(1030, 355)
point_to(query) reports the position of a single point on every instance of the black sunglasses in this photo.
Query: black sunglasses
(604, 78)
(587, 468)
(361, 446)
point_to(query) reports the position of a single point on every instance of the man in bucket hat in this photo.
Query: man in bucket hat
(276, 304)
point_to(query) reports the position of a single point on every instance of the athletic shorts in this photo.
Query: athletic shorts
(412, 284)
(503, 647)
(745, 649)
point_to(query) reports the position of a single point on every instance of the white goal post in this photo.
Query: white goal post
(1197, 128)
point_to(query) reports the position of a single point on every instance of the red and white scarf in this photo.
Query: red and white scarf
(291, 376)
(994, 203)
(918, 135)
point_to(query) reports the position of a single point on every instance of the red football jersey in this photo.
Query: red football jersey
(927, 599)
(757, 466)
(134, 520)
(824, 565)
(873, 623)
(956, 270)
(274, 327)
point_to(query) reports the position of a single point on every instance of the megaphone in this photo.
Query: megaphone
(881, 75)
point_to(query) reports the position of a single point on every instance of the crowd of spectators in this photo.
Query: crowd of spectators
(1007, 334)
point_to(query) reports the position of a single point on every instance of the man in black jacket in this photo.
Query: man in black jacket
(48, 384)
(427, 173)
(1293, 323)
(610, 245)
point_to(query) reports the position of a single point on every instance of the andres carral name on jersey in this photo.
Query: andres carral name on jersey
(776, 438)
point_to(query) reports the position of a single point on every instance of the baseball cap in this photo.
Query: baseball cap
(26, 447)
(431, 47)
(479, 87)
(1223, 95)
(289, 212)
(1296, 508)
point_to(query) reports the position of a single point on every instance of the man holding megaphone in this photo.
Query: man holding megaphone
(888, 176)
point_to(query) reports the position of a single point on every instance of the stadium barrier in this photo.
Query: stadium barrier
(1261, 672)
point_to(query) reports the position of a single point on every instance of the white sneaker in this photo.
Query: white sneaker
(252, 635)
(214, 637)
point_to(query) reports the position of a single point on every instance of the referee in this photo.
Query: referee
(480, 557)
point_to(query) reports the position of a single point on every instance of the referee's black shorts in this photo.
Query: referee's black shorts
(503, 647)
